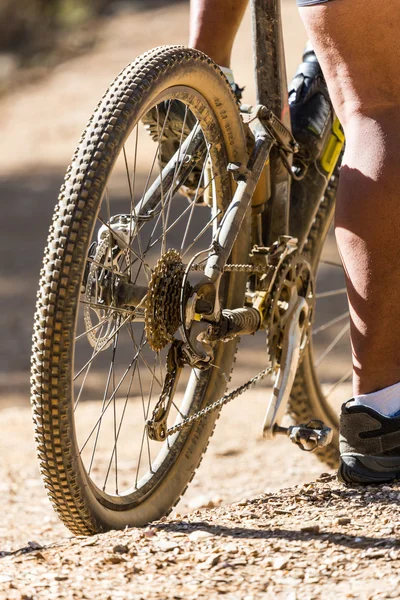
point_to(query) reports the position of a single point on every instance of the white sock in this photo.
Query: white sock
(386, 401)
(228, 74)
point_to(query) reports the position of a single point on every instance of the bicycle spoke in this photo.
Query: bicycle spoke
(330, 323)
(115, 309)
(331, 293)
(337, 339)
(84, 334)
(121, 420)
(110, 372)
(194, 201)
(340, 381)
(143, 359)
(119, 428)
(145, 434)
(202, 232)
(109, 401)
(100, 349)
(86, 374)
(331, 263)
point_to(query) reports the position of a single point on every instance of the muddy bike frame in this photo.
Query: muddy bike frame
(286, 210)
(271, 92)
(292, 207)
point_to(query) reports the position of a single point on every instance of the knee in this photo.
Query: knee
(360, 115)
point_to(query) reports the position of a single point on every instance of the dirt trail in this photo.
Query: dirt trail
(314, 541)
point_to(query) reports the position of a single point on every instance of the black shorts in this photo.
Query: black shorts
(310, 2)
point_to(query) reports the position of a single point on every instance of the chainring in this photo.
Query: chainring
(162, 306)
(295, 275)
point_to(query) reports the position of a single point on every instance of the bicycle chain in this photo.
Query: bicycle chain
(219, 403)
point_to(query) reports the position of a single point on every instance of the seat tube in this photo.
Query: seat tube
(271, 90)
(269, 58)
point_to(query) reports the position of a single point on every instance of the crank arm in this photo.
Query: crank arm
(290, 359)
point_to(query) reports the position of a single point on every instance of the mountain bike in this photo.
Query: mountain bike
(156, 265)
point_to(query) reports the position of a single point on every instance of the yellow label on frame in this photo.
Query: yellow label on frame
(333, 148)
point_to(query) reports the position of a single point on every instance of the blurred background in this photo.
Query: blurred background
(57, 58)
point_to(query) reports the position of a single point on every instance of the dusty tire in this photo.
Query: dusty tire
(82, 507)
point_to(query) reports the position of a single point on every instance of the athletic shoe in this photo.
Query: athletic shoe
(369, 445)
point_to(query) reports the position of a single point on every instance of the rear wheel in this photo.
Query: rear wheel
(96, 375)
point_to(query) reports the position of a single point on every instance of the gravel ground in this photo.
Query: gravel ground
(311, 541)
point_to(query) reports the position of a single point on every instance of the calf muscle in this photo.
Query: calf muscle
(356, 42)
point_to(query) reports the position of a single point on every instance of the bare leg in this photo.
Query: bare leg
(213, 26)
(357, 45)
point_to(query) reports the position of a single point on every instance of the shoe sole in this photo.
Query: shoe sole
(360, 469)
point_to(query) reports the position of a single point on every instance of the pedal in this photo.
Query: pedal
(307, 437)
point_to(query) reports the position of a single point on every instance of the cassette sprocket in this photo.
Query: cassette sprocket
(162, 306)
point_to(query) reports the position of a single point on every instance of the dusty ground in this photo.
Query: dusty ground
(254, 550)
(312, 541)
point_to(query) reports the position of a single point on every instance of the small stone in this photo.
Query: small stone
(213, 560)
(199, 534)
(114, 560)
(310, 529)
(166, 545)
(386, 531)
(280, 563)
(230, 548)
(149, 533)
(121, 549)
(205, 502)
(343, 521)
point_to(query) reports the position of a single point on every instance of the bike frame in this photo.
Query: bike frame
(271, 91)
(286, 211)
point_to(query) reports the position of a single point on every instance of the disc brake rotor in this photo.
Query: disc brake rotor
(101, 321)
